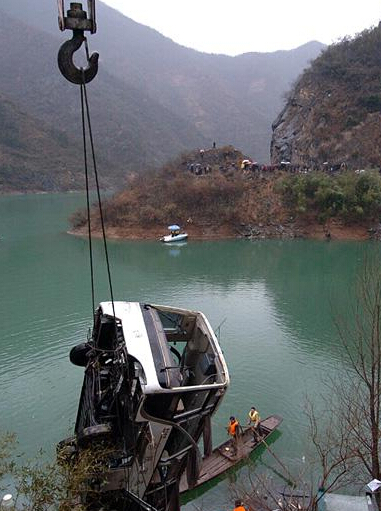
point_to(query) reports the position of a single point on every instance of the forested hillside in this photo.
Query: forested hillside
(33, 156)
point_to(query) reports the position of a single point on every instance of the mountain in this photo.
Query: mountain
(23, 139)
(228, 99)
(124, 118)
(152, 98)
(333, 113)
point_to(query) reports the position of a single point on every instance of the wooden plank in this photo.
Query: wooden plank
(222, 457)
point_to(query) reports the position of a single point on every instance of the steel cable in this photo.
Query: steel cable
(86, 112)
(87, 200)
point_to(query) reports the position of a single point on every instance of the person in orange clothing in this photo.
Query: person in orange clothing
(239, 506)
(233, 431)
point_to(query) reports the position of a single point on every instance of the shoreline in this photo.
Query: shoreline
(334, 232)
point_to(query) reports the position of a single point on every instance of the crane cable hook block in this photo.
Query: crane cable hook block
(77, 21)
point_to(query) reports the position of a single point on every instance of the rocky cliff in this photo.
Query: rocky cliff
(332, 114)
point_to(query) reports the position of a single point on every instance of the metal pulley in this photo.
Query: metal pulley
(78, 21)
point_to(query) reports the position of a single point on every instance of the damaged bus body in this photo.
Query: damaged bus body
(154, 375)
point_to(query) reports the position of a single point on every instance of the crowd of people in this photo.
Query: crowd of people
(249, 166)
(213, 160)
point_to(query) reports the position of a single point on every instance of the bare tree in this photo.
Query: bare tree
(358, 393)
(345, 431)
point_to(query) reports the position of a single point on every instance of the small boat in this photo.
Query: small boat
(170, 238)
(175, 235)
(223, 457)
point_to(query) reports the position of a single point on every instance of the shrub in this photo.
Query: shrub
(351, 122)
(349, 196)
(78, 219)
(371, 103)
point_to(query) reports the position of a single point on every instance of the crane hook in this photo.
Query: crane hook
(66, 65)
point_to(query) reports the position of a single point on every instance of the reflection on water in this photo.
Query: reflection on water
(274, 298)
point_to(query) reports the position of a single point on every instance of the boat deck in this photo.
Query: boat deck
(223, 457)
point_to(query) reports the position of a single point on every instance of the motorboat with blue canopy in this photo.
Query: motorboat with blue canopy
(174, 235)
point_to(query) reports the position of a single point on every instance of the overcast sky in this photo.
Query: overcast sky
(239, 26)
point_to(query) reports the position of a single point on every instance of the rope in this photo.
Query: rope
(86, 112)
(87, 202)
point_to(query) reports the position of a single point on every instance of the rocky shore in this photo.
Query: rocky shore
(260, 231)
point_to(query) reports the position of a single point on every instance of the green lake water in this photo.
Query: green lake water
(274, 298)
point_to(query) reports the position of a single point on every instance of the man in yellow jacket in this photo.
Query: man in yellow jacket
(254, 423)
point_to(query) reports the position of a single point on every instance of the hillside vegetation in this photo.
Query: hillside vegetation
(333, 112)
(348, 196)
(225, 200)
(34, 156)
(174, 193)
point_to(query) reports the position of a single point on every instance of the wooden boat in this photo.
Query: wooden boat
(224, 457)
